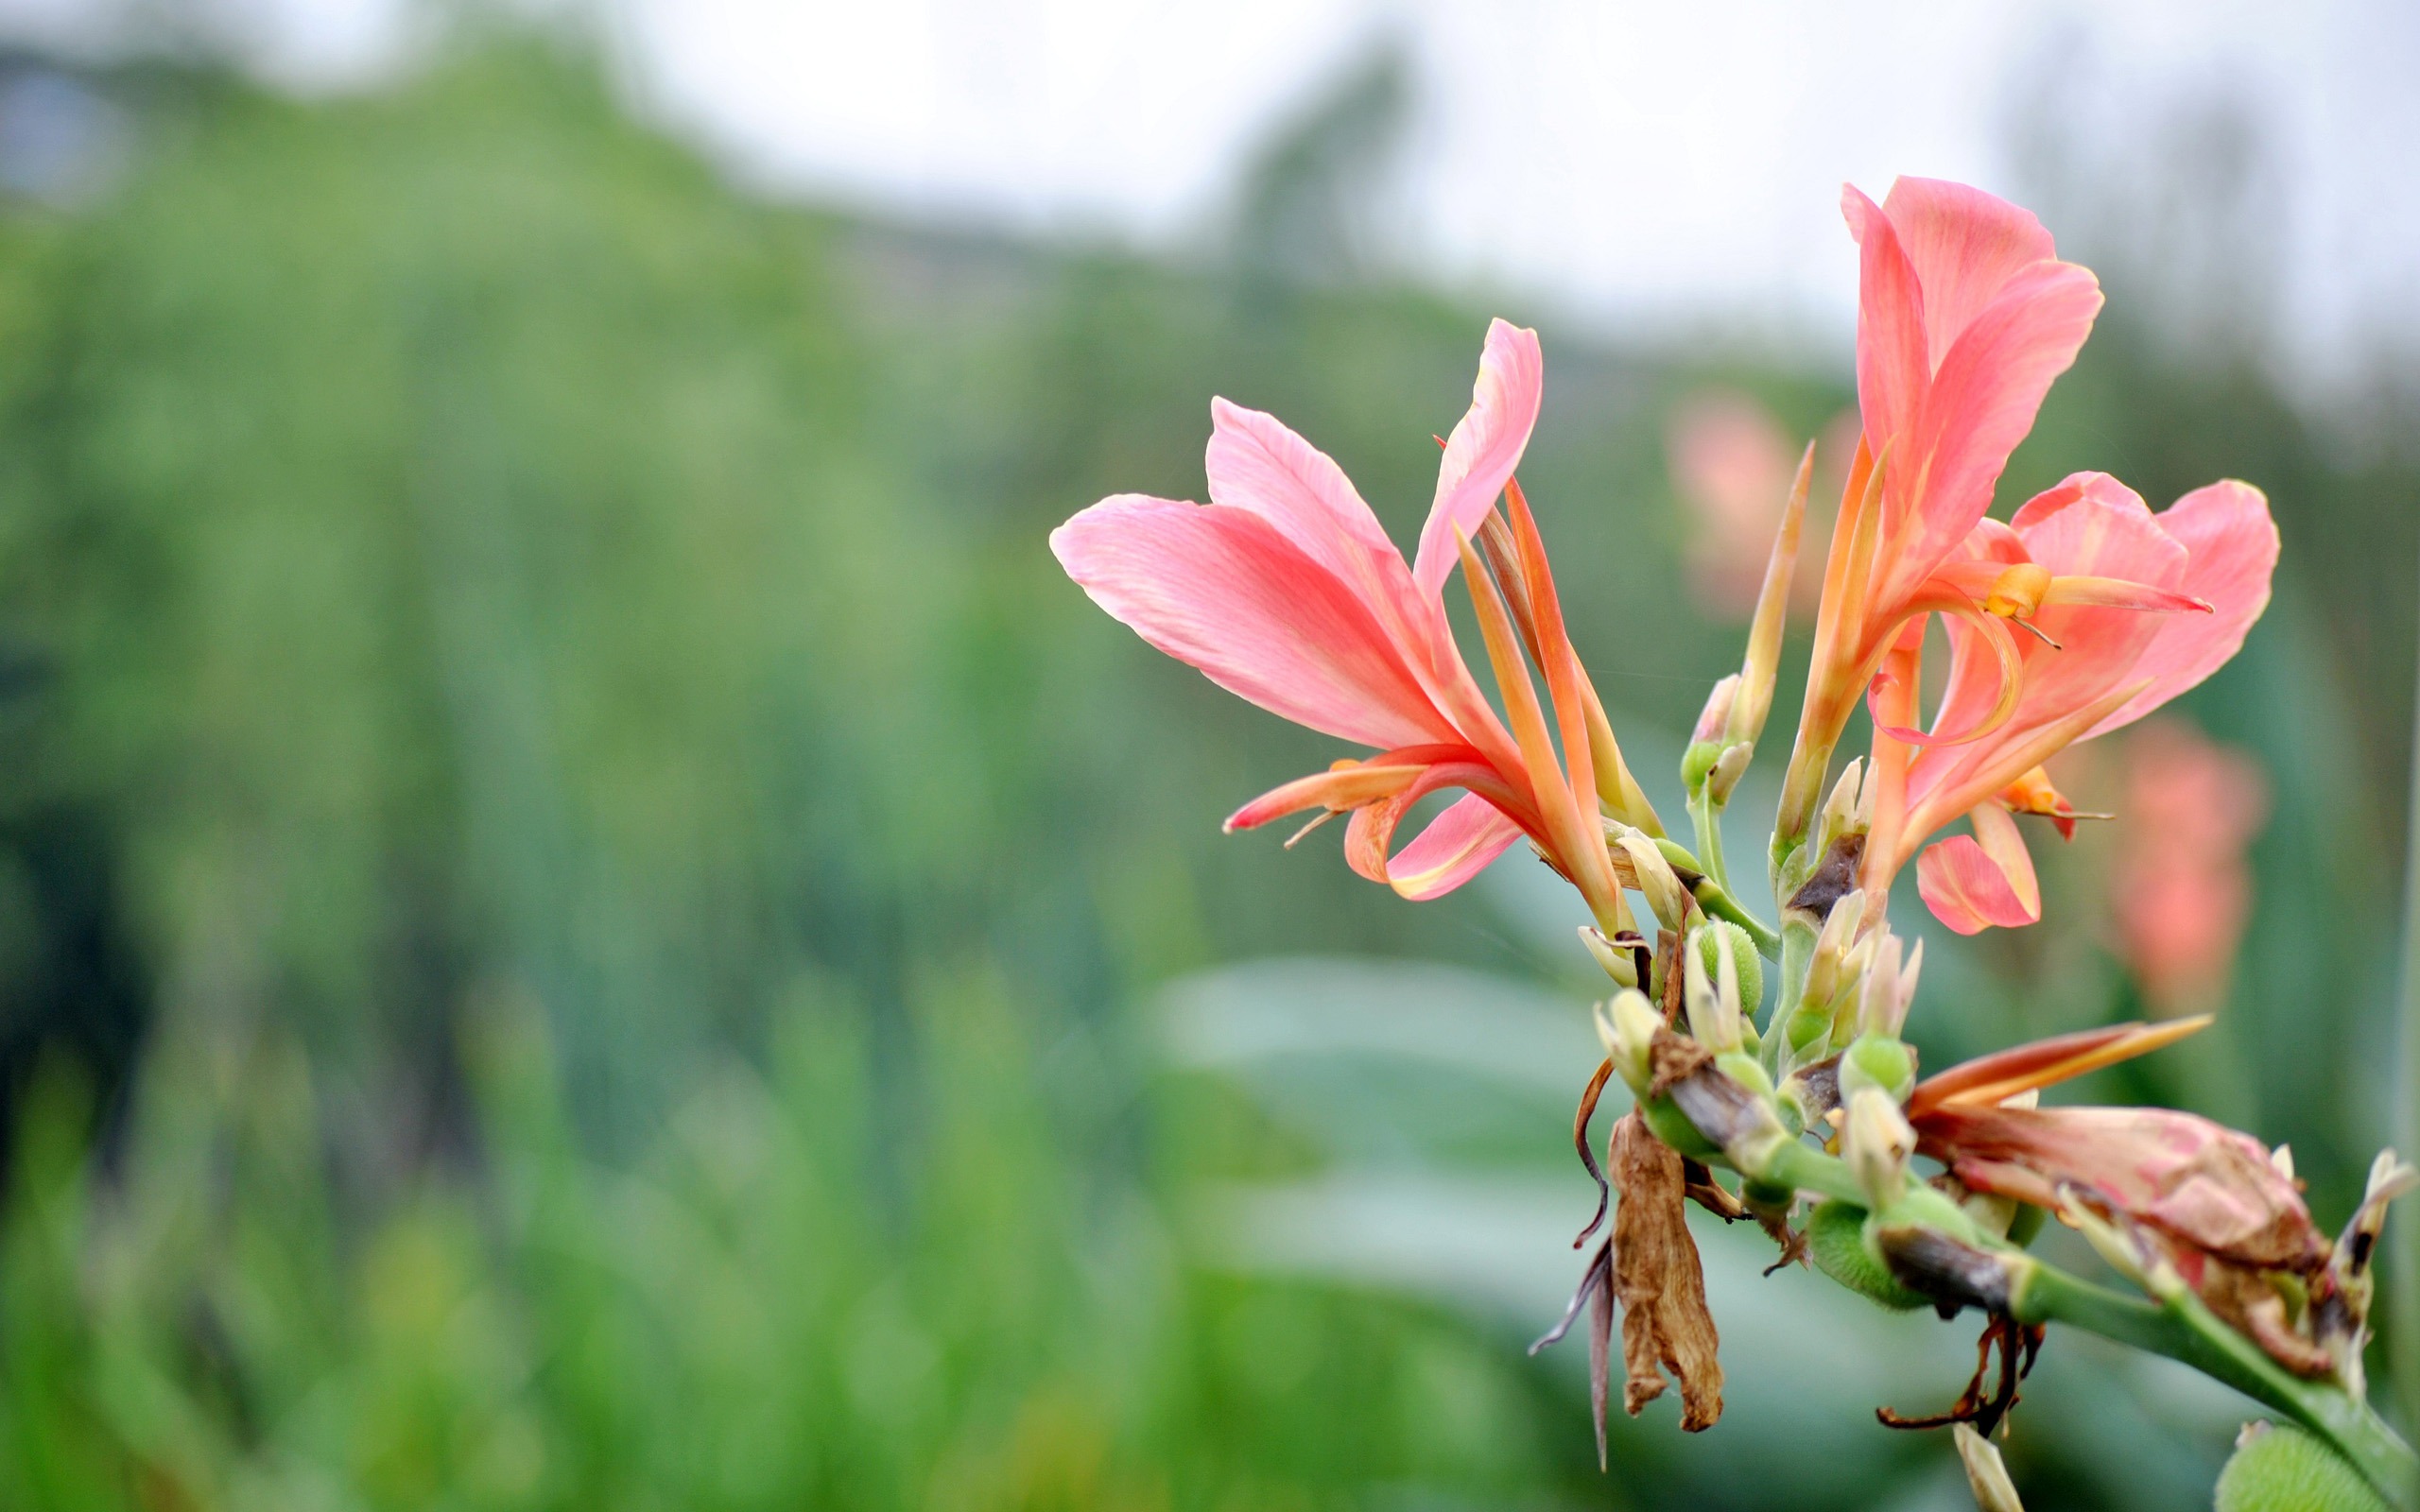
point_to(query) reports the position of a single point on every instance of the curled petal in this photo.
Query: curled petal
(1993, 634)
(1484, 450)
(1456, 847)
(1345, 786)
(1975, 884)
(1448, 860)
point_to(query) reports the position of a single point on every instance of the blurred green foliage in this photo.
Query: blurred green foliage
(534, 680)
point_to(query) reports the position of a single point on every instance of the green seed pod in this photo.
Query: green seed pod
(2283, 1468)
(1835, 1238)
(1744, 959)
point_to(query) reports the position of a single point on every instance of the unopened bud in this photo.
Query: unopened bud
(1840, 813)
(1882, 1006)
(1657, 881)
(1716, 717)
(1728, 768)
(1634, 1029)
(1985, 1475)
(1878, 1061)
(1619, 963)
(1763, 661)
(1824, 966)
(1876, 1141)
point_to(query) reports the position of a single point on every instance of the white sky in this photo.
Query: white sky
(1662, 164)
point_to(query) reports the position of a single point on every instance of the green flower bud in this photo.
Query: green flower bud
(1880, 1062)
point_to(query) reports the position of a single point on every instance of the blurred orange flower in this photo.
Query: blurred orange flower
(1731, 464)
(2182, 885)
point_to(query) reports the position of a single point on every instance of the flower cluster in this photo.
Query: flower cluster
(2082, 612)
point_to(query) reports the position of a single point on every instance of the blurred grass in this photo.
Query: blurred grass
(583, 885)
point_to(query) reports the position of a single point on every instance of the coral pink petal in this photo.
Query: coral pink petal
(1892, 367)
(1457, 845)
(1966, 890)
(1981, 404)
(2232, 546)
(1347, 785)
(1483, 451)
(2101, 528)
(1255, 463)
(1223, 590)
(2093, 525)
(1966, 246)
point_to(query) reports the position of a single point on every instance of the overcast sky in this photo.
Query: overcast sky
(1656, 164)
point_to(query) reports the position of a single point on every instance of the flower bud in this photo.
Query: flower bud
(1832, 980)
(1985, 1475)
(1842, 810)
(1619, 961)
(1881, 1063)
(1630, 1039)
(1889, 987)
(1716, 717)
(1876, 1141)
(1728, 769)
(1657, 881)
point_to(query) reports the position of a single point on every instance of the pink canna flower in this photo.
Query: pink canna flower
(2127, 609)
(1285, 590)
(1965, 315)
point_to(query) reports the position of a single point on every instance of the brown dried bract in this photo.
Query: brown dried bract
(1659, 1280)
(1673, 1058)
(1833, 880)
(1699, 1185)
(2249, 1302)
(1668, 971)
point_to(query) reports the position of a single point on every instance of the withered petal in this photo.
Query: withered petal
(1660, 1281)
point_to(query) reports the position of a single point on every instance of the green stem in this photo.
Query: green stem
(2176, 1324)
(2181, 1328)
(1798, 938)
(1716, 900)
(1706, 818)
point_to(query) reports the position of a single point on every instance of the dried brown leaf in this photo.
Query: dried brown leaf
(1659, 1280)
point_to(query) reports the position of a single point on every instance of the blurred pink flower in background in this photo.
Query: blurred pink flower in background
(2182, 885)
(1731, 463)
